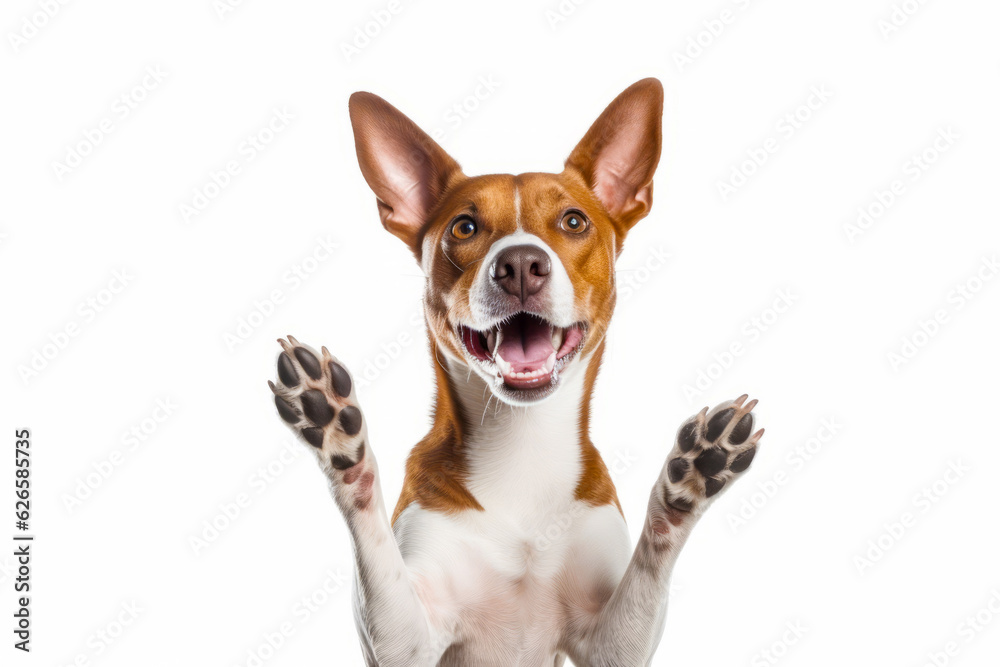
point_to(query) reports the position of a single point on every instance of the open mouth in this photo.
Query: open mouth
(526, 349)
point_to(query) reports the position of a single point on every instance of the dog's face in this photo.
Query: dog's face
(520, 269)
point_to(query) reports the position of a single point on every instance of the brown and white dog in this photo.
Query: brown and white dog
(520, 287)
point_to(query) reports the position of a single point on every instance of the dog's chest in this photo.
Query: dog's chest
(514, 587)
(513, 579)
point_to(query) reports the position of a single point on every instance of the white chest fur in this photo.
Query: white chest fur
(512, 579)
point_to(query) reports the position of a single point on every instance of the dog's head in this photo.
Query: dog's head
(520, 269)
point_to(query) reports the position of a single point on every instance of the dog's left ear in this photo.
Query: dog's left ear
(618, 155)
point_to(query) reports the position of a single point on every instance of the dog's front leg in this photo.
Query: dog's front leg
(712, 449)
(315, 395)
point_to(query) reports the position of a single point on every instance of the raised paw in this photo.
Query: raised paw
(712, 449)
(315, 397)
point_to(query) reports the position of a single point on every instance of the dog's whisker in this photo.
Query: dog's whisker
(485, 408)
(451, 260)
(437, 359)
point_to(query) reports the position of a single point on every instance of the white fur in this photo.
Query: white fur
(537, 575)
(500, 581)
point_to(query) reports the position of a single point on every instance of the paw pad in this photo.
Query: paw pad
(718, 424)
(314, 405)
(341, 462)
(350, 420)
(313, 435)
(286, 371)
(287, 412)
(340, 380)
(310, 364)
(713, 486)
(313, 395)
(688, 437)
(711, 449)
(743, 461)
(711, 461)
(677, 469)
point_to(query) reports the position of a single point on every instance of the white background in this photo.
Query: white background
(797, 555)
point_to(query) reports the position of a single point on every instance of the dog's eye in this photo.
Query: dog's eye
(464, 228)
(574, 222)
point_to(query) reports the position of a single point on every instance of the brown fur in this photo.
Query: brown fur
(421, 196)
(595, 487)
(436, 468)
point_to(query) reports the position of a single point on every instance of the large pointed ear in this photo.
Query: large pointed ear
(405, 168)
(619, 153)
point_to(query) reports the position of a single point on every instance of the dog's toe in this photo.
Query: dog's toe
(712, 448)
(314, 396)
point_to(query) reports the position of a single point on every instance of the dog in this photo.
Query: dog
(520, 289)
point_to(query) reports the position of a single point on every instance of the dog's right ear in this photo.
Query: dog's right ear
(405, 168)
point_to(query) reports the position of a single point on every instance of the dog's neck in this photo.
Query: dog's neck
(520, 462)
(486, 419)
(521, 459)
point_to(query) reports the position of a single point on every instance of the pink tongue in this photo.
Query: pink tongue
(525, 343)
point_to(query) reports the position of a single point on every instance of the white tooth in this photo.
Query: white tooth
(502, 364)
(550, 363)
(558, 335)
(491, 341)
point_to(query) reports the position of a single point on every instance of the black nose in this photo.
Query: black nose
(521, 270)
